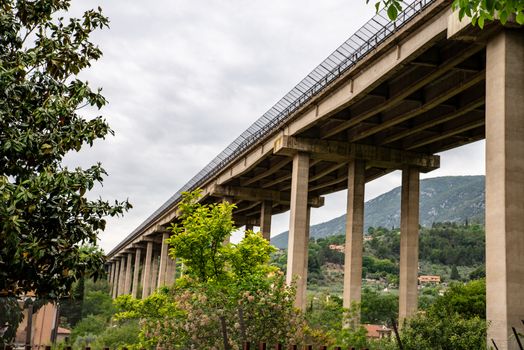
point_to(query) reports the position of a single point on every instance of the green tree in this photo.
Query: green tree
(45, 215)
(455, 275)
(479, 11)
(229, 292)
(468, 300)
(378, 308)
(453, 332)
(455, 321)
(90, 325)
(71, 307)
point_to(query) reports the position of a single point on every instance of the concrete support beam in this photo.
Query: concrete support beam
(136, 272)
(338, 151)
(114, 278)
(505, 187)
(170, 271)
(163, 261)
(265, 219)
(258, 194)
(306, 257)
(146, 273)
(241, 220)
(354, 233)
(121, 276)
(127, 280)
(409, 222)
(154, 272)
(409, 89)
(298, 227)
(111, 273)
(108, 269)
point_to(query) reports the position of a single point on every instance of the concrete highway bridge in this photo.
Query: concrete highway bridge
(390, 97)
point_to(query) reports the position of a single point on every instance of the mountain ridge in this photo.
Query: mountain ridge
(442, 199)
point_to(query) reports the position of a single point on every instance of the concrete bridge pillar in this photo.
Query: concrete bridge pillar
(409, 232)
(114, 289)
(136, 272)
(121, 276)
(298, 227)
(170, 271)
(109, 270)
(146, 273)
(154, 272)
(127, 283)
(163, 261)
(265, 219)
(354, 233)
(113, 277)
(231, 200)
(505, 187)
(111, 273)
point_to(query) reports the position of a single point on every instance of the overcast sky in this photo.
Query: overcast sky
(185, 77)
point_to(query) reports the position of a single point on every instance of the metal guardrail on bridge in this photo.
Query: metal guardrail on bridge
(368, 37)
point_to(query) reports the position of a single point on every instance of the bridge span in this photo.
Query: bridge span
(389, 98)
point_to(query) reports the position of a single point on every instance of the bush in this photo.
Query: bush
(90, 325)
(116, 337)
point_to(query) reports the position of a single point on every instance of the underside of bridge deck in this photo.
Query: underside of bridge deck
(433, 103)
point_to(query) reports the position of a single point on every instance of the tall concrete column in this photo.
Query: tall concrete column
(163, 261)
(505, 187)
(109, 270)
(409, 222)
(114, 288)
(111, 274)
(230, 200)
(306, 255)
(127, 283)
(114, 278)
(265, 219)
(170, 271)
(298, 226)
(121, 276)
(136, 272)
(154, 273)
(146, 273)
(354, 233)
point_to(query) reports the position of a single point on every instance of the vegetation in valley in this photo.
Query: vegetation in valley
(231, 293)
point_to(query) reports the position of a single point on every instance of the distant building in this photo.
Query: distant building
(62, 334)
(377, 331)
(38, 330)
(428, 279)
(337, 247)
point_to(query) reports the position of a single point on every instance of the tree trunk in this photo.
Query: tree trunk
(224, 332)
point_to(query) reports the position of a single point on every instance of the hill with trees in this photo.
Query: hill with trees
(456, 199)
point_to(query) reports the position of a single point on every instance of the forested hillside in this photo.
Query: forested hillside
(443, 247)
(442, 199)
